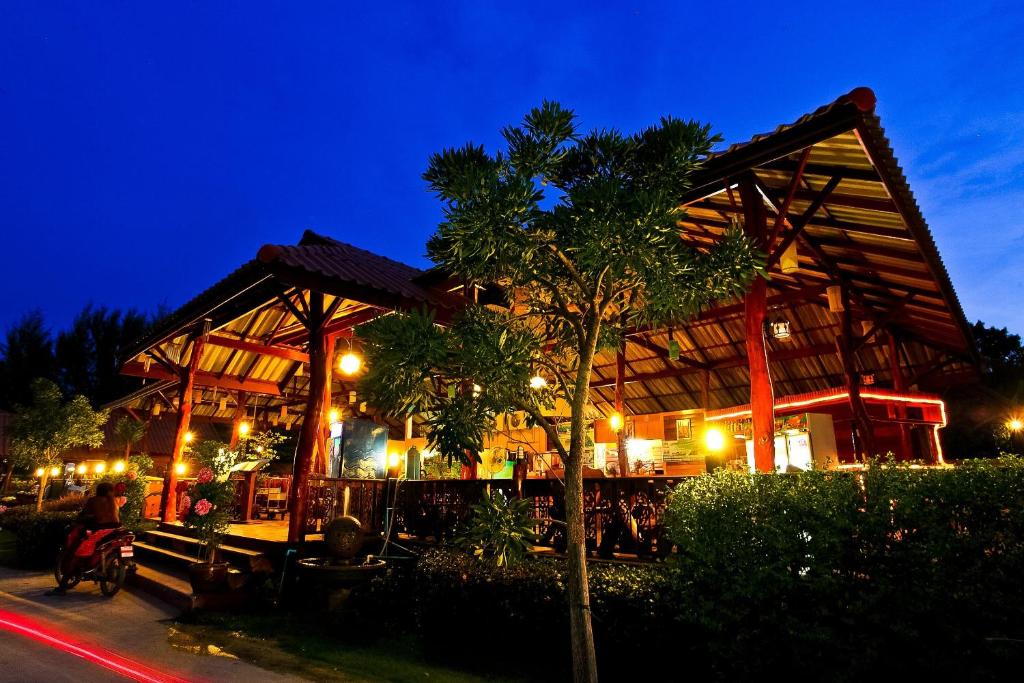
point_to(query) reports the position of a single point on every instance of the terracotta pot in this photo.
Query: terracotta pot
(208, 577)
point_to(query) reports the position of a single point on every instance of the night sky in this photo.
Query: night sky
(147, 149)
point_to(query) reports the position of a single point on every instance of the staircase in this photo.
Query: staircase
(164, 554)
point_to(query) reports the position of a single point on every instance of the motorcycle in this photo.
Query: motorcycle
(109, 561)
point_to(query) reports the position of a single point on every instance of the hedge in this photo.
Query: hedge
(37, 535)
(896, 573)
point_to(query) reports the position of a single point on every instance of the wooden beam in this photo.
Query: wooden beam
(798, 226)
(794, 184)
(205, 379)
(186, 387)
(320, 360)
(261, 349)
(620, 436)
(789, 166)
(762, 402)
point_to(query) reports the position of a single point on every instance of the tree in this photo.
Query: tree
(129, 432)
(27, 353)
(89, 354)
(978, 413)
(42, 431)
(581, 233)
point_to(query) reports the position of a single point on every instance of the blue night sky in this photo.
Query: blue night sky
(147, 149)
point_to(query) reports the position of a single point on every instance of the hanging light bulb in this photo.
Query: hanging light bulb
(779, 329)
(615, 422)
(350, 363)
(334, 416)
(243, 429)
(538, 382)
(188, 437)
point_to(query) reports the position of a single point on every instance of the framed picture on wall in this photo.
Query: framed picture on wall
(684, 429)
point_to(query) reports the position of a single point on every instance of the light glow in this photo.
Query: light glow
(81, 469)
(243, 429)
(180, 469)
(119, 466)
(350, 363)
(714, 439)
(615, 422)
(538, 382)
(33, 630)
(394, 459)
(100, 467)
(40, 471)
(188, 437)
(334, 416)
(54, 471)
(1015, 424)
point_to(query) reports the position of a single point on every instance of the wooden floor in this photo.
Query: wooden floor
(273, 530)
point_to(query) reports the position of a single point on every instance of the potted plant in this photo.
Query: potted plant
(207, 507)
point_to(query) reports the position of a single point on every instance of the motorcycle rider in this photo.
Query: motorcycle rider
(100, 513)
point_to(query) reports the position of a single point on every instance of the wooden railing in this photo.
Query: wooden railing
(620, 515)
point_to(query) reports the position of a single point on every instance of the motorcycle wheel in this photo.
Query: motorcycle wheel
(113, 577)
(58, 571)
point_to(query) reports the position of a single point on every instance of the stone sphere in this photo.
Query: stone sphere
(343, 537)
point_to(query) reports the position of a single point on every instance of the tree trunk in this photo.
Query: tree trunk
(8, 474)
(42, 488)
(584, 658)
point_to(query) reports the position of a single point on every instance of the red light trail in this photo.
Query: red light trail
(23, 626)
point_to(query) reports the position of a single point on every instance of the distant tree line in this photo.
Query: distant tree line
(83, 360)
(979, 414)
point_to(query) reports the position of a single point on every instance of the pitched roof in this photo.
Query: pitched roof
(344, 269)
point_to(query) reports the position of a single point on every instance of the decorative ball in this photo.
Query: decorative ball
(343, 537)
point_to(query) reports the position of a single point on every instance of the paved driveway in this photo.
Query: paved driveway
(131, 625)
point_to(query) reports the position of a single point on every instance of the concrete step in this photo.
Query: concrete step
(179, 547)
(162, 583)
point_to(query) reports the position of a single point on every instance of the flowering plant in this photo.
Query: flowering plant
(130, 488)
(208, 504)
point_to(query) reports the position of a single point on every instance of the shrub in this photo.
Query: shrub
(499, 529)
(898, 570)
(37, 534)
(131, 483)
(72, 502)
(516, 616)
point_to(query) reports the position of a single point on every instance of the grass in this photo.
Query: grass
(315, 649)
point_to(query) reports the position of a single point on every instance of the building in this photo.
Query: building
(836, 358)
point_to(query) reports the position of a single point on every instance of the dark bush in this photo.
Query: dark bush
(37, 534)
(900, 572)
(71, 502)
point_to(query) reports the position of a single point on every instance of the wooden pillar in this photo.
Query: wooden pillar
(186, 385)
(319, 378)
(620, 436)
(863, 436)
(899, 384)
(320, 463)
(239, 418)
(705, 393)
(762, 400)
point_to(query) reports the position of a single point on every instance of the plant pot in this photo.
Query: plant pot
(208, 577)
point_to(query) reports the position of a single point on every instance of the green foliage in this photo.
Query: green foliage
(37, 534)
(26, 353)
(72, 502)
(128, 432)
(581, 231)
(89, 353)
(500, 529)
(209, 502)
(913, 571)
(269, 444)
(42, 431)
(132, 482)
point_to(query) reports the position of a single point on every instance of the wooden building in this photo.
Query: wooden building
(857, 321)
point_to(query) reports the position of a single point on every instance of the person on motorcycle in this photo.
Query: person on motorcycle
(100, 513)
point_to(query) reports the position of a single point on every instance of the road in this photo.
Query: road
(131, 632)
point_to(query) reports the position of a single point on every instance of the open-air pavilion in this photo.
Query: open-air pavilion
(858, 322)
